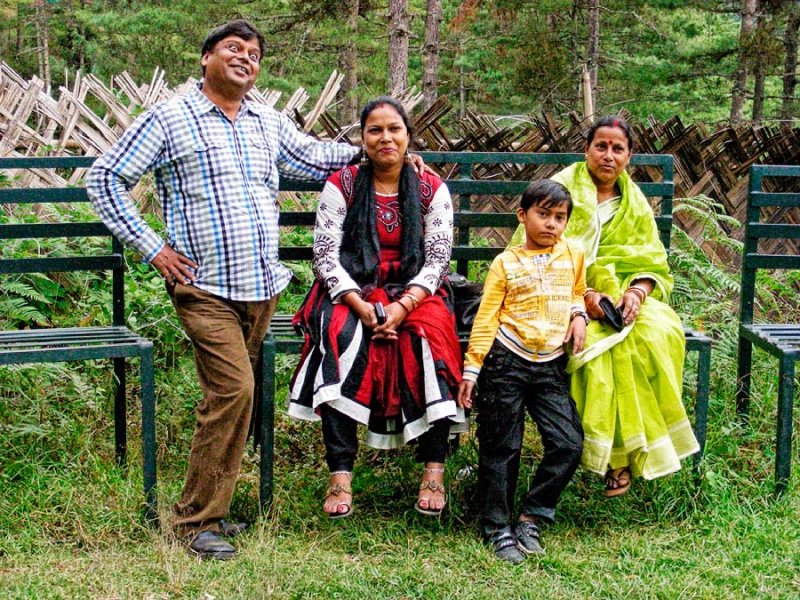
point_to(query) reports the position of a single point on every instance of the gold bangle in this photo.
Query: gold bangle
(638, 291)
(412, 297)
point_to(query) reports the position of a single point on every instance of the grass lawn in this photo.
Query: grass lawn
(72, 527)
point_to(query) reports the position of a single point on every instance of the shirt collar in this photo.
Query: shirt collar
(205, 105)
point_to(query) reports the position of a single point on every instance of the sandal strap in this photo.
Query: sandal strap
(436, 470)
(503, 540)
(348, 473)
(433, 486)
(530, 528)
(338, 489)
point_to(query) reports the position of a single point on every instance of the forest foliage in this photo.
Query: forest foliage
(500, 57)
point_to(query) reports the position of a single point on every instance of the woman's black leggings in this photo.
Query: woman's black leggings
(341, 440)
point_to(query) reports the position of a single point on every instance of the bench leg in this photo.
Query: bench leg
(743, 380)
(149, 434)
(267, 422)
(120, 410)
(783, 444)
(701, 400)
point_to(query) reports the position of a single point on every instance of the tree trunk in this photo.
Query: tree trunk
(42, 43)
(398, 47)
(759, 67)
(593, 49)
(349, 65)
(758, 90)
(430, 53)
(740, 77)
(790, 63)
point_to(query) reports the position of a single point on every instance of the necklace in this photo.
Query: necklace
(386, 189)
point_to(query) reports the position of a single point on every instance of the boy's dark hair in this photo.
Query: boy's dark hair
(547, 194)
(388, 101)
(239, 27)
(611, 121)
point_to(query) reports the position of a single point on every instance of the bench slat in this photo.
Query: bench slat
(50, 265)
(771, 261)
(773, 230)
(776, 199)
(42, 195)
(68, 353)
(53, 230)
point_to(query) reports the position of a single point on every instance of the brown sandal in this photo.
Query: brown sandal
(618, 482)
(337, 489)
(435, 487)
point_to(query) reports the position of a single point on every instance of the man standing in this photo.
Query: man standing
(217, 159)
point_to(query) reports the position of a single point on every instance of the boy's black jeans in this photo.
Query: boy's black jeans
(507, 386)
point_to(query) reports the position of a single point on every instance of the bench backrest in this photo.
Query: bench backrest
(769, 216)
(55, 258)
(470, 176)
(466, 176)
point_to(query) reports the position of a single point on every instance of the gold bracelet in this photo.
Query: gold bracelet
(638, 291)
(412, 297)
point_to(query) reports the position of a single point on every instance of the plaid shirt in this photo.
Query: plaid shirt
(218, 187)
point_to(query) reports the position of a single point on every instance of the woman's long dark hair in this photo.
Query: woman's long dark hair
(360, 250)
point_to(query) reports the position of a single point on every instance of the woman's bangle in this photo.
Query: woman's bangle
(412, 297)
(638, 291)
(589, 291)
(405, 308)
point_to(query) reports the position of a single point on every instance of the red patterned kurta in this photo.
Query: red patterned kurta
(395, 388)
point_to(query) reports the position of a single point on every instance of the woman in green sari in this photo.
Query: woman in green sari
(626, 384)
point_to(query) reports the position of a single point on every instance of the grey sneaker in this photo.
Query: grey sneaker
(505, 547)
(528, 537)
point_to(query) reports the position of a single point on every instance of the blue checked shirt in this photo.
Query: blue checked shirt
(218, 187)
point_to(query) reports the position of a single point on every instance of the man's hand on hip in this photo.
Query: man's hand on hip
(174, 266)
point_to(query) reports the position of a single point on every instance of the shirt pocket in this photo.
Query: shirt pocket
(257, 158)
(214, 159)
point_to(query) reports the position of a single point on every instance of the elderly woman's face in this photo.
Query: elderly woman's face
(607, 154)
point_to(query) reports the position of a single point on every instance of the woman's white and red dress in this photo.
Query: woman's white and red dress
(396, 388)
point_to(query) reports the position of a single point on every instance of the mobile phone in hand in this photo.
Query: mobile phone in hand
(380, 312)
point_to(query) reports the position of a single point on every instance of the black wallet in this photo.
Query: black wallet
(612, 315)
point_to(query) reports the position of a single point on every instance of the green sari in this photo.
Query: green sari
(627, 385)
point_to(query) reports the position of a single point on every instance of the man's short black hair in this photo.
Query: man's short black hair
(547, 194)
(239, 27)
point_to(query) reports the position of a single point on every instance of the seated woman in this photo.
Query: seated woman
(626, 384)
(381, 346)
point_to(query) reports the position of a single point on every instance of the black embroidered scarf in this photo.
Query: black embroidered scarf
(360, 250)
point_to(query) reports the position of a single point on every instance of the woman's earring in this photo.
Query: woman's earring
(364, 159)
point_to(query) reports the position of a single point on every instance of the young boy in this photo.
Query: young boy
(532, 308)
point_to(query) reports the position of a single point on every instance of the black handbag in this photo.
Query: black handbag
(466, 299)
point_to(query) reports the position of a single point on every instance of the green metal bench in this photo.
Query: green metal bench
(465, 184)
(114, 341)
(781, 340)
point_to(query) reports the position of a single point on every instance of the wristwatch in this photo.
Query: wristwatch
(579, 313)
